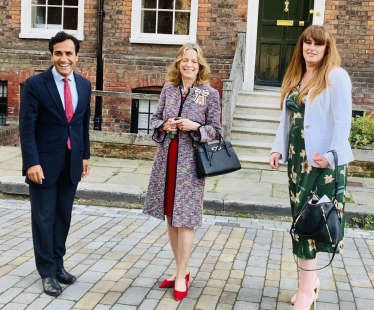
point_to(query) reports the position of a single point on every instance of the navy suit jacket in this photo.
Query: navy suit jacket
(44, 128)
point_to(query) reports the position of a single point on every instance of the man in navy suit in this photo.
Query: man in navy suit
(54, 133)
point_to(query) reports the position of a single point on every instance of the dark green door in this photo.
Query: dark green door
(280, 23)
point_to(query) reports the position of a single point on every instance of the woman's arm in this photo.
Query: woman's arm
(157, 121)
(340, 92)
(206, 132)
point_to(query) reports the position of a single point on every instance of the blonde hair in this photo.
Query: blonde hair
(174, 74)
(297, 67)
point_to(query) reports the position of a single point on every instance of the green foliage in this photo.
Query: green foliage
(362, 131)
(366, 222)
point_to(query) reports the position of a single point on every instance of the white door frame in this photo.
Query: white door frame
(251, 38)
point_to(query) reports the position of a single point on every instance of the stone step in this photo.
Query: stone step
(261, 149)
(253, 134)
(257, 162)
(259, 97)
(269, 109)
(255, 121)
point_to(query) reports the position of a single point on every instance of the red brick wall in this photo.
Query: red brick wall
(352, 23)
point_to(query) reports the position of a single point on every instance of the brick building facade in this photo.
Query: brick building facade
(128, 66)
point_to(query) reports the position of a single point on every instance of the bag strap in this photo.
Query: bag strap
(332, 258)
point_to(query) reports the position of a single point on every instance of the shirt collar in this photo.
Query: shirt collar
(58, 77)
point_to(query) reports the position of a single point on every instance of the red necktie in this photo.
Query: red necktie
(69, 110)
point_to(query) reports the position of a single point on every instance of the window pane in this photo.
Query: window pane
(143, 105)
(38, 17)
(182, 23)
(166, 4)
(71, 2)
(149, 4)
(54, 18)
(54, 2)
(183, 5)
(149, 22)
(143, 121)
(71, 18)
(38, 1)
(153, 106)
(165, 22)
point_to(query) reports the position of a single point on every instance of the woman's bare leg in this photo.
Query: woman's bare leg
(306, 285)
(173, 238)
(185, 243)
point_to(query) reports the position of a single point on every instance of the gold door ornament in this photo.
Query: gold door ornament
(286, 4)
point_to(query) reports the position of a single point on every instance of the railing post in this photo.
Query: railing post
(226, 108)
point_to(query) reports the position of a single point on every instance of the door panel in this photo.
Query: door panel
(275, 44)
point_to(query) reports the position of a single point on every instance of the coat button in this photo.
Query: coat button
(307, 127)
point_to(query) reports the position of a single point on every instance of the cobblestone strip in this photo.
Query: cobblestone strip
(120, 256)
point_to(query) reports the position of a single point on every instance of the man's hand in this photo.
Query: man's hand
(86, 168)
(35, 174)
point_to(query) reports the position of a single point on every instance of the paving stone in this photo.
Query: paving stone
(25, 298)
(133, 296)
(8, 281)
(39, 303)
(14, 306)
(251, 295)
(89, 301)
(9, 295)
(59, 304)
(76, 290)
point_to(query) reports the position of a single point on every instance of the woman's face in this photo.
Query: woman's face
(189, 65)
(313, 52)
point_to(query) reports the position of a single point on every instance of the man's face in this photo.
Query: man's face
(64, 57)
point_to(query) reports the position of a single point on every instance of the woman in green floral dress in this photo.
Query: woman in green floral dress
(316, 118)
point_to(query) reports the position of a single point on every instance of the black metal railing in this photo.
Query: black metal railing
(3, 102)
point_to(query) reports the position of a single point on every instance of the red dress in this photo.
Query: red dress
(171, 173)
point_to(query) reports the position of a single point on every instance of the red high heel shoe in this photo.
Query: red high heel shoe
(178, 295)
(168, 284)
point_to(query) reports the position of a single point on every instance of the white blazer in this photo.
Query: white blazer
(327, 122)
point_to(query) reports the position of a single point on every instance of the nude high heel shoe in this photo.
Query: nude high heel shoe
(317, 283)
(311, 306)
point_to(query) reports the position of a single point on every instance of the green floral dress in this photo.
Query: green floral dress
(302, 176)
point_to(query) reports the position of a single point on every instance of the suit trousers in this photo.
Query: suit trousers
(51, 209)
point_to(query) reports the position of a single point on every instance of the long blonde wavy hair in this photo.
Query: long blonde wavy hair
(174, 75)
(297, 67)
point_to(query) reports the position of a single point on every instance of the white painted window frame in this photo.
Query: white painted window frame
(152, 38)
(27, 32)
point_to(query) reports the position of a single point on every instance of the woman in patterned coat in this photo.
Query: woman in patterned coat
(187, 113)
(316, 118)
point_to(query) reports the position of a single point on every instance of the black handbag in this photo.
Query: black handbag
(216, 158)
(320, 221)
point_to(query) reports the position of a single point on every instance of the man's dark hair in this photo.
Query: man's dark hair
(61, 37)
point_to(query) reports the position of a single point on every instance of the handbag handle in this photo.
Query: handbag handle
(332, 258)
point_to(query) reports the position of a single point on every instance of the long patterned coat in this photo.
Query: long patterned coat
(202, 105)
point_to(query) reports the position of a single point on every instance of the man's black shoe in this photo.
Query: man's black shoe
(64, 277)
(51, 287)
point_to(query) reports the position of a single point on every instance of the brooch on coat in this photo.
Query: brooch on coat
(200, 96)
